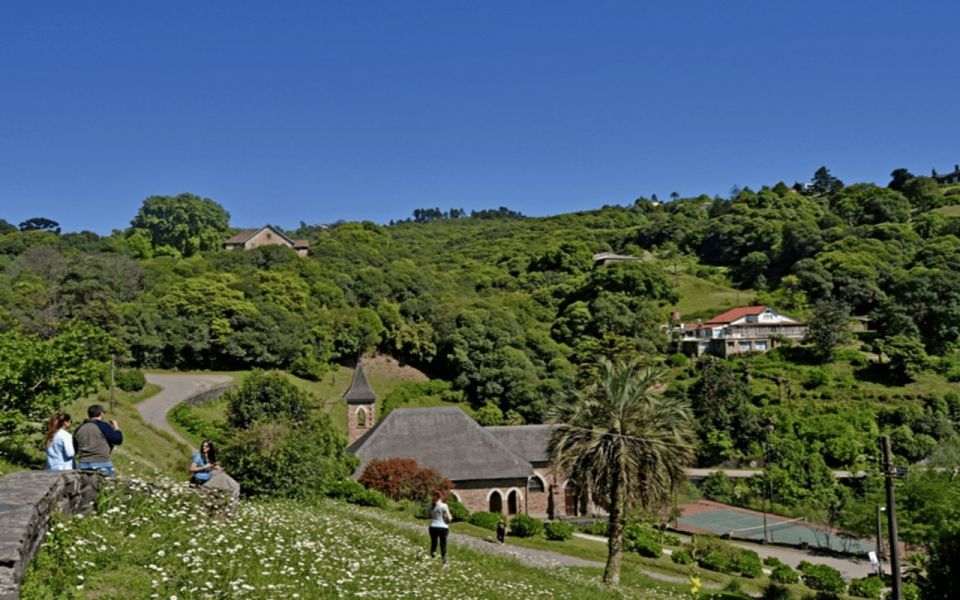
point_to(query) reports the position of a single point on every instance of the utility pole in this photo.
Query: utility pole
(113, 376)
(880, 509)
(888, 475)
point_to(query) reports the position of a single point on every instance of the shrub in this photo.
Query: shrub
(716, 561)
(558, 531)
(677, 360)
(748, 564)
(403, 479)
(350, 491)
(601, 528)
(718, 487)
(458, 511)
(771, 561)
(642, 540)
(784, 574)
(266, 396)
(868, 587)
(486, 520)
(183, 415)
(525, 526)
(822, 578)
(671, 540)
(681, 557)
(130, 380)
(275, 458)
(774, 591)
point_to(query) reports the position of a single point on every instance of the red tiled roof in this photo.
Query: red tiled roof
(735, 313)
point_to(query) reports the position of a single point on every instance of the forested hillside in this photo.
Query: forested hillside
(512, 311)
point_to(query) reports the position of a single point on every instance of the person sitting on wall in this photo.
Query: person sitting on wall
(59, 443)
(205, 472)
(95, 440)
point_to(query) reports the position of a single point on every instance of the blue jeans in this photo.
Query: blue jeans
(105, 468)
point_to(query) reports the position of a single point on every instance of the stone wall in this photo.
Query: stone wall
(28, 500)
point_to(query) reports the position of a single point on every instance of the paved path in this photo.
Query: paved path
(176, 389)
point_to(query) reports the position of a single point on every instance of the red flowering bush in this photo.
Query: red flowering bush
(403, 479)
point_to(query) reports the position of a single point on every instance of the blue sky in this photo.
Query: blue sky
(319, 111)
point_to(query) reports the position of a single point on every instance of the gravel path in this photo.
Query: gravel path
(176, 389)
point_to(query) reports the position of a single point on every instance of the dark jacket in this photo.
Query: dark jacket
(94, 440)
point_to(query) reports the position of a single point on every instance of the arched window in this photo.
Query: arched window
(513, 502)
(496, 502)
(361, 417)
(535, 484)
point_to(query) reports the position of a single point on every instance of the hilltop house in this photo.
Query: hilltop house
(265, 236)
(496, 469)
(953, 177)
(739, 330)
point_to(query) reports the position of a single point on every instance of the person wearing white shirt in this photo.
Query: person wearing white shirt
(59, 443)
(440, 518)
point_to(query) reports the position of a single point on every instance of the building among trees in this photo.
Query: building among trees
(265, 236)
(739, 330)
(503, 469)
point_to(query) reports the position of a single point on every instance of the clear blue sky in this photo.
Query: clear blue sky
(319, 111)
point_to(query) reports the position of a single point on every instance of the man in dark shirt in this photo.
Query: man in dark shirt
(94, 441)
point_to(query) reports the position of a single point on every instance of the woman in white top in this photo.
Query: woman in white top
(440, 518)
(59, 443)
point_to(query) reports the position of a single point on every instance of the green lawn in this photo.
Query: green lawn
(700, 298)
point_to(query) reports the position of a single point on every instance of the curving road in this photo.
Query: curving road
(176, 389)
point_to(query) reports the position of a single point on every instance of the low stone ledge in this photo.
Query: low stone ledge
(28, 500)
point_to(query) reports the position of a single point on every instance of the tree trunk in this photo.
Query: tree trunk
(611, 574)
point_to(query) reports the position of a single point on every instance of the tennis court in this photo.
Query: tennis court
(712, 517)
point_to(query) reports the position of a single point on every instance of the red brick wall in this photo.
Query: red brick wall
(354, 428)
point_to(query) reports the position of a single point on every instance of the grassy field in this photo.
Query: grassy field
(701, 299)
(949, 211)
(156, 540)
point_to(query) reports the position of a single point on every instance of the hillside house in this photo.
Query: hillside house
(739, 330)
(497, 469)
(265, 236)
(953, 177)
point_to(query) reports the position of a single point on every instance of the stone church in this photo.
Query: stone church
(497, 469)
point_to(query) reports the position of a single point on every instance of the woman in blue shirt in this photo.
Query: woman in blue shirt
(203, 463)
(59, 443)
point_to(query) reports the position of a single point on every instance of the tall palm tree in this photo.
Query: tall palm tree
(625, 443)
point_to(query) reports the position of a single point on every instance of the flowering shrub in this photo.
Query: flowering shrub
(403, 478)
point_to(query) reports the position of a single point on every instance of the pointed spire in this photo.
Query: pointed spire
(360, 391)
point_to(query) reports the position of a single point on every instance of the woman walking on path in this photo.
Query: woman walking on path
(59, 443)
(440, 518)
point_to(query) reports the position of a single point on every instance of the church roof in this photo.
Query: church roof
(445, 439)
(529, 442)
(360, 390)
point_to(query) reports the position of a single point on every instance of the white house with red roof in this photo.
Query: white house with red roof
(739, 330)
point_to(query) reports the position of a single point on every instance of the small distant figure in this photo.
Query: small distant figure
(205, 471)
(440, 519)
(59, 443)
(95, 440)
(501, 529)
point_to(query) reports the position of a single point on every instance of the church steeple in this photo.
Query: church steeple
(361, 405)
